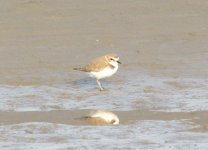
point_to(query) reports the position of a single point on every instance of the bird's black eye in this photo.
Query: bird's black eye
(113, 121)
(111, 59)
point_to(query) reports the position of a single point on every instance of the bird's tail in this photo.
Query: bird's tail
(81, 118)
(80, 69)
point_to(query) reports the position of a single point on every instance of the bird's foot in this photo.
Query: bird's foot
(103, 89)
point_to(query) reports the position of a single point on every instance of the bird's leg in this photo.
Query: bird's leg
(99, 84)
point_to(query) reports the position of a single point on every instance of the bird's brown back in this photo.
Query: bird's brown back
(96, 64)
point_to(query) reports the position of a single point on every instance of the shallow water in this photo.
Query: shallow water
(142, 135)
(141, 91)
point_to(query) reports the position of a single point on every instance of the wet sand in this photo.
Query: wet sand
(71, 117)
(163, 49)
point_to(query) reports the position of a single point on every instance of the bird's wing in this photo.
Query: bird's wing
(96, 64)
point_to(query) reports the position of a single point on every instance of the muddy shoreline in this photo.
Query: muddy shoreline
(159, 91)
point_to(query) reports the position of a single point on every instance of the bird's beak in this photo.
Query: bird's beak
(119, 62)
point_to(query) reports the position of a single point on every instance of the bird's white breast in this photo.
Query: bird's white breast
(106, 72)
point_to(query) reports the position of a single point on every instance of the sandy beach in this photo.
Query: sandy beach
(159, 92)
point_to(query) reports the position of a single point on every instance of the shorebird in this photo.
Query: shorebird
(101, 67)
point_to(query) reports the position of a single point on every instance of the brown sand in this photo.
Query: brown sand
(40, 39)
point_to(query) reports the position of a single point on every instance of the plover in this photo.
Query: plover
(101, 117)
(102, 67)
